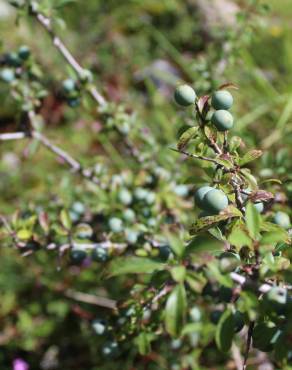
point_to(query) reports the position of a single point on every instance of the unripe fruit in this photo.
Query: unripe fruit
(282, 219)
(24, 52)
(215, 201)
(100, 254)
(110, 349)
(140, 193)
(68, 85)
(184, 95)
(200, 194)
(13, 60)
(78, 207)
(7, 75)
(150, 198)
(131, 236)
(77, 256)
(129, 215)
(215, 316)
(73, 102)
(222, 120)
(99, 326)
(222, 99)
(116, 225)
(181, 190)
(259, 207)
(125, 197)
(164, 252)
(277, 296)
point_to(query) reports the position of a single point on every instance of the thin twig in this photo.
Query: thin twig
(12, 136)
(91, 299)
(237, 357)
(58, 43)
(195, 156)
(248, 344)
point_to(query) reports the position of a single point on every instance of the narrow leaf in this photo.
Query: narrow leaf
(250, 156)
(133, 265)
(225, 331)
(253, 219)
(175, 310)
(186, 137)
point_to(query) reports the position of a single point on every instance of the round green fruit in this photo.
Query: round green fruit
(77, 256)
(222, 99)
(259, 207)
(282, 219)
(73, 102)
(7, 75)
(277, 296)
(110, 349)
(69, 85)
(222, 120)
(125, 197)
(181, 190)
(184, 95)
(164, 252)
(215, 201)
(200, 194)
(131, 236)
(24, 52)
(140, 193)
(13, 60)
(116, 225)
(99, 326)
(215, 316)
(100, 254)
(129, 215)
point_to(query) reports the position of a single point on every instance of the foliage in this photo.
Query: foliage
(118, 267)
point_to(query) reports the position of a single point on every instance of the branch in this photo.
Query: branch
(12, 136)
(58, 43)
(91, 299)
(195, 156)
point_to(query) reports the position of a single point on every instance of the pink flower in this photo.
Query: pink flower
(20, 364)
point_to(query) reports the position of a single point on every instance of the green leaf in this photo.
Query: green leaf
(175, 310)
(253, 220)
(224, 162)
(225, 331)
(188, 135)
(176, 244)
(143, 342)
(239, 237)
(250, 156)
(273, 237)
(24, 234)
(178, 273)
(65, 219)
(133, 265)
(205, 223)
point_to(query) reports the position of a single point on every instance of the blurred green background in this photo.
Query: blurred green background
(138, 51)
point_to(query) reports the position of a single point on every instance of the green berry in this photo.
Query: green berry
(116, 225)
(129, 215)
(259, 207)
(69, 85)
(164, 252)
(77, 256)
(215, 316)
(200, 194)
(13, 60)
(131, 236)
(277, 296)
(222, 120)
(181, 190)
(184, 95)
(150, 198)
(125, 197)
(73, 102)
(100, 254)
(110, 349)
(7, 75)
(215, 201)
(78, 207)
(222, 99)
(140, 193)
(24, 52)
(99, 326)
(282, 219)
